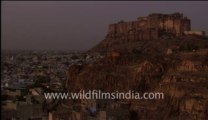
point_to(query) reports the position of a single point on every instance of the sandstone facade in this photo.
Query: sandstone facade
(151, 26)
(196, 32)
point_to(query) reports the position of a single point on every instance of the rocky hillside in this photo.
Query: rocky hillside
(175, 65)
(179, 68)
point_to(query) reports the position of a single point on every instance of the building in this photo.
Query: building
(61, 113)
(31, 111)
(151, 26)
(195, 32)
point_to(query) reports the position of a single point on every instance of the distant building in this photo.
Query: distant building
(60, 114)
(8, 114)
(31, 112)
(9, 105)
(195, 32)
(151, 26)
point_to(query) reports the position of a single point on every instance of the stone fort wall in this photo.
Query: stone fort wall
(151, 26)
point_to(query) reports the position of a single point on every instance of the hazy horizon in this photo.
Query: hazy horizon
(80, 25)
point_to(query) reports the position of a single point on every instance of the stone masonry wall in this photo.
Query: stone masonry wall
(151, 26)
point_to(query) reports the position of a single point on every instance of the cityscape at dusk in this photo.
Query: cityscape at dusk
(104, 60)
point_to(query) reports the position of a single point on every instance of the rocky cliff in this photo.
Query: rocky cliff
(175, 65)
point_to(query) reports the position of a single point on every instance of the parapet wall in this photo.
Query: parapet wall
(174, 23)
(196, 32)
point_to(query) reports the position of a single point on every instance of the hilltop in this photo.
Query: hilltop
(125, 36)
(155, 53)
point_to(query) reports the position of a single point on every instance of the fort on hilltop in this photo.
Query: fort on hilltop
(152, 26)
(125, 36)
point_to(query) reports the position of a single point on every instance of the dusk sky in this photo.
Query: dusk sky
(81, 25)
